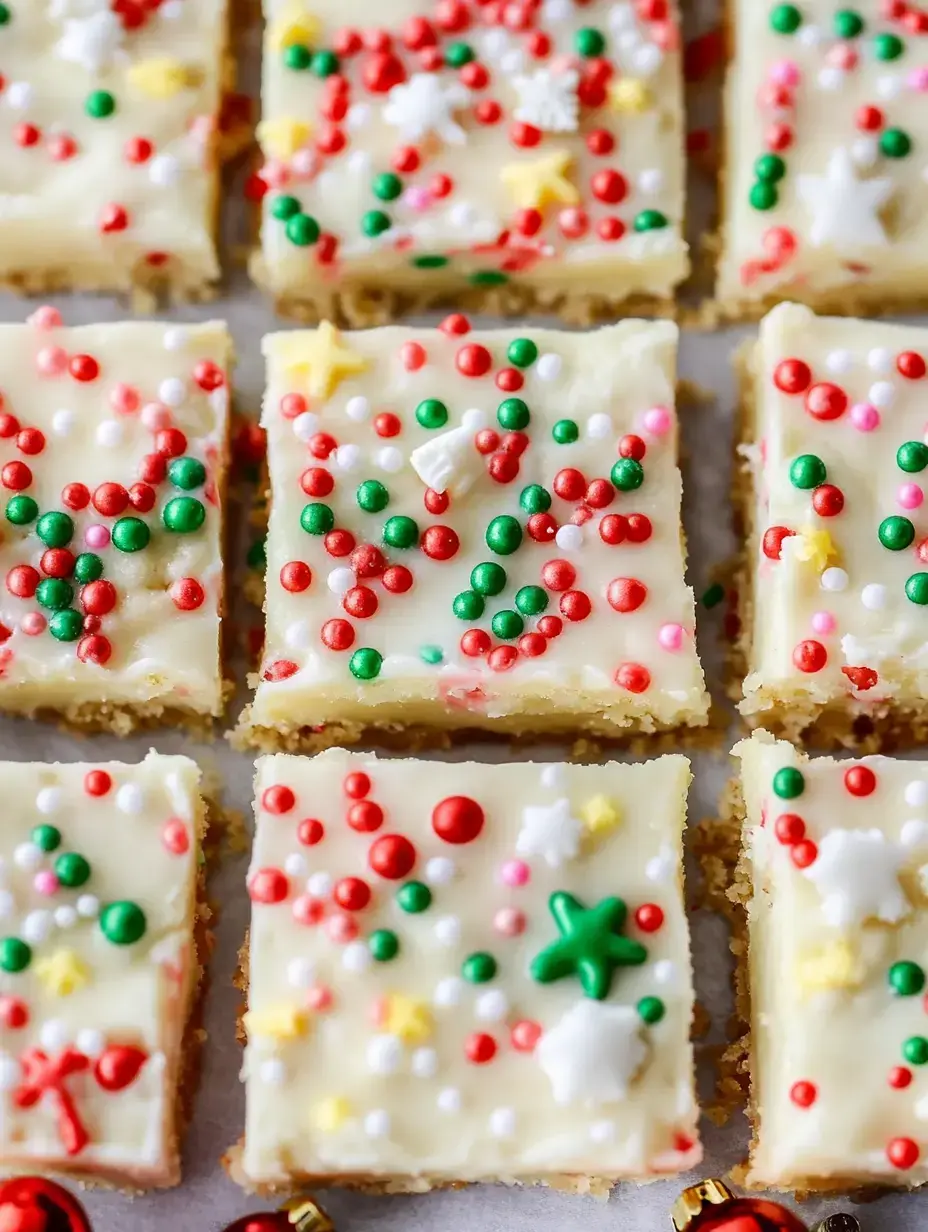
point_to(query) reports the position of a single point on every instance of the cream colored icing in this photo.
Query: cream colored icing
(359, 1066)
(82, 992)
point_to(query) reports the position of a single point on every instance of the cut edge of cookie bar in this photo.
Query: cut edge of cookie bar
(851, 723)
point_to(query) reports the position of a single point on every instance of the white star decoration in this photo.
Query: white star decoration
(424, 105)
(548, 100)
(593, 1053)
(550, 831)
(93, 41)
(857, 874)
(448, 461)
(845, 209)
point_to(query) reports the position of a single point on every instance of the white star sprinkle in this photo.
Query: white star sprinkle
(550, 831)
(844, 208)
(548, 100)
(424, 105)
(592, 1054)
(857, 874)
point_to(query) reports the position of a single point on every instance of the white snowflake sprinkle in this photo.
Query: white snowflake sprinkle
(548, 100)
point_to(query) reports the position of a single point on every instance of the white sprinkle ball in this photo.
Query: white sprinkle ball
(439, 870)
(340, 580)
(569, 538)
(873, 596)
(65, 916)
(377, 1123)
(474, 419)
(27, 856)
(90, 1041)
(448, 991)
(492, 1005)
(502, 1123)
(881, 394)
(295, 864)
(356, 957)
(357, 408)
(449, 1099)
(880, 360)
(130, 799)
(48, 800)
(304, 426)
(834, 579)
(36, 927)
(548, 367)
(448, 929)
(53, 1034)
(839, 362)
(389, 459)
(300, 972)
(172, 391)
(599, 427)
(916, 793)
(109, 433)
(384, 1054)
(272, 1072)
(319, 885)
(88, 906)
(63, 422)
(425, 1063)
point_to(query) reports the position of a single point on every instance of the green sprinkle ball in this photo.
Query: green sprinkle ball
(807, 471)
(848, 24)
(770, 168)
(131, 535)
(531, 600)
(88, 567)
(906, 979)
(763, 196)
(317, 519)
(534, 499)
(414, 897)
(54, 594)
(522, 352)
(788, 783)
(627, 474)
(5, 14)
(21, 510)
(431, 655)
(183, 515)
(912, 457)
(888, 47)
(895, 143)
(507, 625)
(324, 64)
(15, 955)
(372, 496)
(785, 19)
(365, 664)
(55, 529)
(400, 532)
(284, 207)
(72, 870)
(589, 42)
(488, 578)
(650, 1010)
(896, 533)
(431, 413)
(123, 923)
(375, 222)
(915, 1050)
(66, 626)
(513, 415)
(479, 968)
(458, 54)
(302, 230)
(297, 57)
(46, 838)
(384, 944)
(387, 186)
(468, 605)
(916, 589)
(100, 104)
(187, 473)
(504, 535)
(650, 220)
(565, 431)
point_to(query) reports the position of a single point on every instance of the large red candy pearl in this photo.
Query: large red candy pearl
(457, 819)
(392, 856)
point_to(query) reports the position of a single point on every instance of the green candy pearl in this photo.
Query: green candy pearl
(458, 54)
(384, 944)
(187, 473)
(55, 529)
(535, 499)
(507, 625)
(317, 519)
(131, 535)
(46, 837)
(123, 923)
(431, 413)
(888, 47)
(21, 510)
(302, 230)
(807, 471)
(372, 496)
(15, 955)
(531, 600)
(414, 897)
(375, 222)
(297, 57)
(431, 655)
(66, 626)
(785, 19)
(72, 870)
(284, 207)
(627, 474)
(513, 415)
(589, 41)
(387, 186)
(54, 594)
(88, 567)
(479, 968)
(788, 783)
(522, 352)
(324, 64)
(183, 515)
(488, 578)
(915, 1050)
(916, 588)
(468, 605)
(650, 220)
(565, 432)
(763, 196)
(894, 143)
(912, 457)
(400, 532)
(100, 104)
(906, 979)
(896, 533)
(504, 535)
(365, 664)
(848, 24)
(5, 14)
(650, 1010)
(770, 168)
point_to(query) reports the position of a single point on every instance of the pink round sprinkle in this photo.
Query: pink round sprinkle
(175, 836)
(823, 622)
(275, 173)
(33, 623)
(658, 420)
(417, 197)
(918, 79)
(97, 536)
(909, 495)
(785, 73)
(45, 882)
(509, 921)
(670, 636)
(341, 928)
(842, 56)
(45, 317)
(305, 163)
(307, 910)
(865, 417)
(125, 398)
(515, 873)
(51, 361)
(319, 997)
(155, 416)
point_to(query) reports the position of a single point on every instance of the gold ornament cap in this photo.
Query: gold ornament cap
(306, 1215)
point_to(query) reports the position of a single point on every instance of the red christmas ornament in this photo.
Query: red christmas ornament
(297, 1215)
(34, 1204)
(712, 1207)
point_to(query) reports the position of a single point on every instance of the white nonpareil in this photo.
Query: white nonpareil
(424, 104)
(449, 461)
(548, 100)
(593, 1053)
(550, 831)
(857, 874)
(92, 34)
(845, 209)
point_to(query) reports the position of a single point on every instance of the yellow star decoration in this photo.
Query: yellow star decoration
(331, 1114)
(599, 815)
(160, 77)
(281, 138)
(834, 966)
(322, 358)
(62, 973)
(815, 547)
(295, 24)
(541, 182)
(629, 95)
(279, 1022)
(410, 1020)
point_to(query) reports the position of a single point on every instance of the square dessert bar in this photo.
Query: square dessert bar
(521, 158)
(112, 468)
(823, 188)
(99, 966)
(837, 852)
(464, 972)
(835, 605)
(109, 144)
(474, 530)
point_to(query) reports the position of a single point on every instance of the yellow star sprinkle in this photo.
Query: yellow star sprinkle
(295, 24)
(542, 182)
(281, 138)
(159, 77)
(331, 1114)
(410, 1020)
(322, 359)
(834, 966)
(62, 973)
(599, 815)
(280, 1022)
(815, 547)
(629, 95)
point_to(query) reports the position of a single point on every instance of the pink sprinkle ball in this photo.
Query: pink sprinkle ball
(45, 317)
(33, 624)
(417, 197)
(657, 421)
(305, 164)
(175, 836)
(515, 873)
(509, 921)
(909, 496)
(275, 173)
(412, 356)
(97, 536)
(155, 416)
(320, 997)
(785, 73)
(45, 882)
(842, 56)
(918, 80)
(341, 928)
(51, 361)
(823, 622)
(865, 417)
(670, 636)
(125, 399)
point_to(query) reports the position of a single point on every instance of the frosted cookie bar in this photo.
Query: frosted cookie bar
(835, 601)
(98, 966)
(112, 468)
(109, 144)
(473, 530)
(823, 195)
(523, 159)
(836, 852)
(460, 972)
